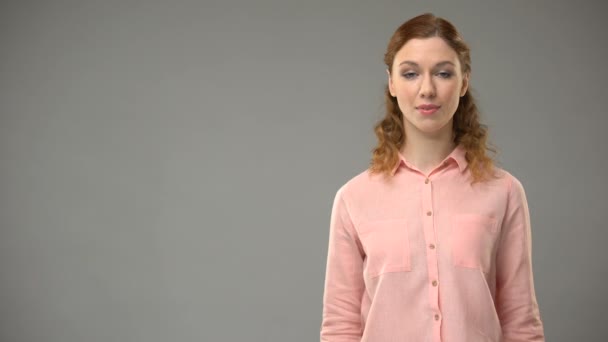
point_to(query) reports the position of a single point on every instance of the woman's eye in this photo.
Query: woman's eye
(409, 75)
(445, 74)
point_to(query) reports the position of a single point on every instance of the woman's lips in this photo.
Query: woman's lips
(427, 110)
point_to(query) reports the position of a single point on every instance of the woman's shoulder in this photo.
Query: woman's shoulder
(362, 183)
(506, 176)
(510, 183)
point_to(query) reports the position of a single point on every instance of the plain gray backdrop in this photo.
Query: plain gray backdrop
(167, 169)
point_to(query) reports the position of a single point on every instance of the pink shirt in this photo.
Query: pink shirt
(430, 258)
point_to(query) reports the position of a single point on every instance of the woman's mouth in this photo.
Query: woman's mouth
(427, 109)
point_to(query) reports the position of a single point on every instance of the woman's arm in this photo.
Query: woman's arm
(344, 284)
(515, 296)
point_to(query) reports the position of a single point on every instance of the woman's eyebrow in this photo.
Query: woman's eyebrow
(436, 65)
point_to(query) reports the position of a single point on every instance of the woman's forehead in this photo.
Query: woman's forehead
(426, 51)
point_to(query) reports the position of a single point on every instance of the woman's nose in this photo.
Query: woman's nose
(427, 88)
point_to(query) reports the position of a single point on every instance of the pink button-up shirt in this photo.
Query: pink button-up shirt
(430, 258)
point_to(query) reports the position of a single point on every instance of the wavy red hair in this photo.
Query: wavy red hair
(467, 129)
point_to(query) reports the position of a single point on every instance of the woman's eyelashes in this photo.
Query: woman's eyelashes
(409, 75)
(445, 74)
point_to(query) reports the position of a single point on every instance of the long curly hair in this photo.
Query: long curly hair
(467, 129)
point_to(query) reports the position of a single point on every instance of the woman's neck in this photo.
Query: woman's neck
(426, 152)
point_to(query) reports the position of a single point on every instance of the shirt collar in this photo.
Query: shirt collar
(458, 155)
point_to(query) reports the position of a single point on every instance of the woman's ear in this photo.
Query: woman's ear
(465, 85)
(391, 87)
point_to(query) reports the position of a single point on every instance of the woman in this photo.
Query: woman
(433, 241)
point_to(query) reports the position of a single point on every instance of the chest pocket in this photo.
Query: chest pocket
(473, 240)
(386, 245)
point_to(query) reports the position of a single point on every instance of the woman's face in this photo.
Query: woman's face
(427, 72)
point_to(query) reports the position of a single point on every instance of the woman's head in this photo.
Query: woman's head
(429, 63)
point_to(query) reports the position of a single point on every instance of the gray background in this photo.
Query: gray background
(167, 169)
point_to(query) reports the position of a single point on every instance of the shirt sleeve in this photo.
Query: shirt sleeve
(344, 283)
(516, 303)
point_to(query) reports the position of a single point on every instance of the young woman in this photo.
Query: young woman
(433, 241)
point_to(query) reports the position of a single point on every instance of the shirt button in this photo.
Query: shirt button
(426, 181)
(436, 317)
(434, 283)
(428, 213)
(431, 246)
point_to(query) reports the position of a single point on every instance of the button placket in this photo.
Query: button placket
(430, 238)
